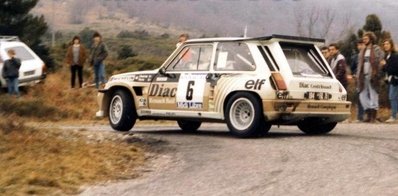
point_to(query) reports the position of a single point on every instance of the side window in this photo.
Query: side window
(192, 58)
(234, 56)
(304, 61)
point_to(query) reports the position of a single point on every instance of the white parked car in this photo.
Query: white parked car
(248, 83)
(32, 68)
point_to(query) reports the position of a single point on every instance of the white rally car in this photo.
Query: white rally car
(249, 83)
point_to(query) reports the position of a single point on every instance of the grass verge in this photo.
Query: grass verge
(58, 162)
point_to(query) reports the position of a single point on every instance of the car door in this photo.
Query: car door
(183, 84)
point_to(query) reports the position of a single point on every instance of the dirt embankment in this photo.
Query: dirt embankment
(54, 161)
(37, 160)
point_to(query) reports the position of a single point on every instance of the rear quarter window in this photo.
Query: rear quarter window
(22, 53)
(304, 60)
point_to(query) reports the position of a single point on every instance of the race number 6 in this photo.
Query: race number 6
(189, 95)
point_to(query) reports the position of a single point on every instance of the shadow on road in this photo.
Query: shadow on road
(224, 134)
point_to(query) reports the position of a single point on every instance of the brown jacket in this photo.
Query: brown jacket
(376, 55)
(82, 55)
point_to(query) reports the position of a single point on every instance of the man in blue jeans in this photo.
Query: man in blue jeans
(10, 72)
(99, 52)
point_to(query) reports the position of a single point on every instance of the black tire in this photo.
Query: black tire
(315, 126)
(249, 121)
(122, 114)
(188, 125)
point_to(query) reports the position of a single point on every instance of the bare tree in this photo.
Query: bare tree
(313, 18)
(314, 23)
(327, 22)
(298, 15)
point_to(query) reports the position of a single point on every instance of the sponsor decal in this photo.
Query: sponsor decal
(162, 100)
(146, 112)
(170, 114)
(142, 102)
(282, 95)
(143, 78)
(191, 88)
(159, 90)
(190, 105)
(161, 79)
(254, 84)
(321, 106)
(132, 77)
(317, 86)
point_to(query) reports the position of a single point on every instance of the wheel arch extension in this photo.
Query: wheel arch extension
(229, 96)
(109, 92)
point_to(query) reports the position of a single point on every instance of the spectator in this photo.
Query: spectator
(338, 64)
(354, 57)
(181, 39)
(368, 76)
(11, 72)
(354, 65)
(326, 53)
(390, 66)
(75, 57)
(99, 52)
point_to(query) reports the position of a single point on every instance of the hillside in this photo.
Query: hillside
(222, 17)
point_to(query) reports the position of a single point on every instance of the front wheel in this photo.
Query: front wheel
(122, 115)
(315, 127)
(244, 116)
(188, 125)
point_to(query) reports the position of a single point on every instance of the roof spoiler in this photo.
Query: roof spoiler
(9, 38)
(289, 37)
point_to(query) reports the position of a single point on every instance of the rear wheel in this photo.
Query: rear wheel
(314, 126)
(244, 116)
(122, 115)
(188, 125)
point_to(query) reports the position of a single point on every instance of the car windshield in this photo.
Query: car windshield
(304, 60)
(22, 53)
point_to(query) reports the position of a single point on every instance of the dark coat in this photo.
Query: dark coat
(98, 53)
(11, 68)
(82, 55)
(391, 67)
(340, 69)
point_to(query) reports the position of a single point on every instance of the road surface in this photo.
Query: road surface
(354, 159)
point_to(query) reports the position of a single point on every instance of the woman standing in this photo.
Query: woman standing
(390, 66)
(368, 76)
(75, 57)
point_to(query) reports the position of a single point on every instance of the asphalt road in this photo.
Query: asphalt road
(354, 159)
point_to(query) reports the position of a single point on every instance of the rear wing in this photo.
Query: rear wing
(8, 38)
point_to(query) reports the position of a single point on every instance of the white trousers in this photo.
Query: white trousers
(368, 96)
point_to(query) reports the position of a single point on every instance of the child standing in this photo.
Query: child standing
(11, 72)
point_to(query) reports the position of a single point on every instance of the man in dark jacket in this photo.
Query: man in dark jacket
(11, 72)
(338, 64)
(99, 52)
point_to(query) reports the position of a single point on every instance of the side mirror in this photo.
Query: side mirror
(162, 71)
